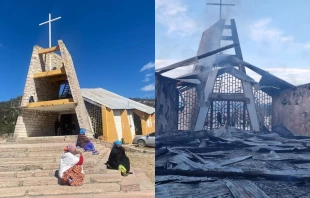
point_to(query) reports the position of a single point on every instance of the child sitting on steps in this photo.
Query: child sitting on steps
(85, 143)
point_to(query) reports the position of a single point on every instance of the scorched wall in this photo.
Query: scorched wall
(292, 108)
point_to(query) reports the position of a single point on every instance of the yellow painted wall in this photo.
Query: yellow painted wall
(145, 118)
(104, 123)
(108, 125)
(126, 127)
(153, 122)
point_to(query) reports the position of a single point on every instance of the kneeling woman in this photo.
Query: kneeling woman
(118, 159)
(71, 170)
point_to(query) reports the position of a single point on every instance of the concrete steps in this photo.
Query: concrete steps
(31, 170)
(114, 177)
(59, 190)
(34, 159)
(46, 139)
(51, 185)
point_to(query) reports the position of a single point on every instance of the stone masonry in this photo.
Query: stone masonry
(292, 108)
(80, 110)
(35, 123)
(35, 87)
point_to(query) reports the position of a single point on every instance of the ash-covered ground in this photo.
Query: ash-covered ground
(228, 162)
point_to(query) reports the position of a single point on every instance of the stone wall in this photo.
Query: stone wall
(41, 90)
(45, 61)
(292, 108)
(35, 123)
(80, 110)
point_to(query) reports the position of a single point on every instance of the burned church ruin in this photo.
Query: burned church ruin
(222, 134)
(218, 89)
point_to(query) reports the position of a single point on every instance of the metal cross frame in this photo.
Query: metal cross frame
(221, 4)
(50, 20)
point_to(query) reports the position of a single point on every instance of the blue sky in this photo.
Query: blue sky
(274, 35)
(110, 42)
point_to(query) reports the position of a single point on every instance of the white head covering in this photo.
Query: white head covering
(67, 161)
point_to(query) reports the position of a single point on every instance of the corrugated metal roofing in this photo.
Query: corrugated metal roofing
(114, 101)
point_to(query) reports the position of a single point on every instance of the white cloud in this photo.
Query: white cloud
(307, 46)
(148, 66)
(160, 63)
(259, 31)
(147, 77)
(150, 87)
(252, 74)
(173, 14)
(294, 76)
(262, 31)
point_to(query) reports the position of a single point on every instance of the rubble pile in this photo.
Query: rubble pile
(229, 162)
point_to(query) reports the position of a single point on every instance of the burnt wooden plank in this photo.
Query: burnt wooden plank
(183, 179)
(234, 160)
(213, 154)
(205, 149)
(272, 156)
(224, 172)
(176, 151)
(179, 137)
(244, 189)
(277, 149)
(199, 190)
(198, 157)
(303, 166)
(301, 159)
(161, 161)
(182, 159)
(161, 151)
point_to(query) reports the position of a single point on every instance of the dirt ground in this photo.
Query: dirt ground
(145, 161)
(141, 148)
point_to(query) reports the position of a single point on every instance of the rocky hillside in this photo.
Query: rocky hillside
(147, 101)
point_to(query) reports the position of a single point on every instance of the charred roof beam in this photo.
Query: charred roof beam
(194, 59)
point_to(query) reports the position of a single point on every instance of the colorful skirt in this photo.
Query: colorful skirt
(73, 176)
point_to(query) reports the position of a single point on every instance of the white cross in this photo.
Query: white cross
(50, 20)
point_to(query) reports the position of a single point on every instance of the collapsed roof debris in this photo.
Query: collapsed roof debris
(255, 154)
(231, 162)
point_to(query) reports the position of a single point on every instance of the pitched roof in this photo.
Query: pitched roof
(114, 101)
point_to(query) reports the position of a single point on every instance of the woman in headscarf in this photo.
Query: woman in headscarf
(118, 159)
(71, 170)
(85, 143)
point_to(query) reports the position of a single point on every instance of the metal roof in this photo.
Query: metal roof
(114, 101)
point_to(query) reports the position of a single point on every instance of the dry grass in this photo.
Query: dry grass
(144, 161)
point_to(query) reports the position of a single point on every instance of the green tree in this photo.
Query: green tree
(8, 116)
